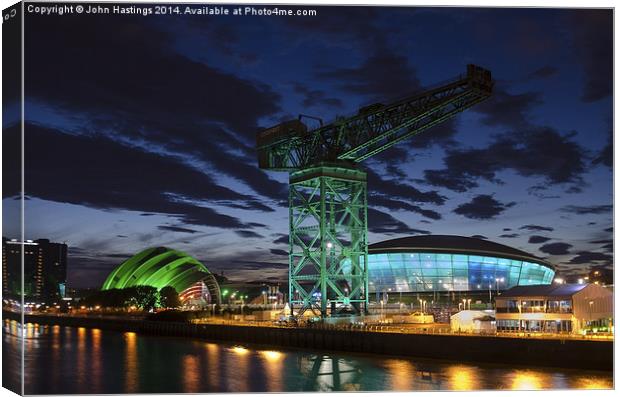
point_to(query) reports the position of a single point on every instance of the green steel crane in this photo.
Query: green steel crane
(327, 193)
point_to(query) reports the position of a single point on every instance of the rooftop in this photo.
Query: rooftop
(453, 244)
(555, 290)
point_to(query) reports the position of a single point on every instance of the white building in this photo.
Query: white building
(473, 321)
(564, 308)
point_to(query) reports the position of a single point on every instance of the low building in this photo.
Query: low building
(563, 308)
(473, 321)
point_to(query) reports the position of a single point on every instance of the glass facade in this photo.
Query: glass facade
(428, 272)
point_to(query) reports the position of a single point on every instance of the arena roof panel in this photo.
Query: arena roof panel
(453, 244)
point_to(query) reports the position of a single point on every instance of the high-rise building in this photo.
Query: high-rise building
(45, 269)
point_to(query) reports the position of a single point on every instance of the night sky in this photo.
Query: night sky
(140, 131)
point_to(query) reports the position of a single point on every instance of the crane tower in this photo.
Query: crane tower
(327, 189)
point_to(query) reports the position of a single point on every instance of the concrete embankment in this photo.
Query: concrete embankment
(568, 353)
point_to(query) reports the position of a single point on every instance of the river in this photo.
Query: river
(65, 360)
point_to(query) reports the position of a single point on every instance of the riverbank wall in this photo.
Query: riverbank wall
(565, 353)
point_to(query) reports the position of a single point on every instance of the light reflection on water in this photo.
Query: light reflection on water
(131, 362)
(63, 360)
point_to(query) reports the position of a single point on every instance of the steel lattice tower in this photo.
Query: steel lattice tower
(327, 194)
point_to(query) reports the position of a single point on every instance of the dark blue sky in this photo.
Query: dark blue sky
(140, 130)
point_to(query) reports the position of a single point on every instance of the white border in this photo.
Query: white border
(457, 3)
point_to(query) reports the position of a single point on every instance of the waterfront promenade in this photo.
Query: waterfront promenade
(569, 352)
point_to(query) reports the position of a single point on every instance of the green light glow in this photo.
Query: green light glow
(158, 267)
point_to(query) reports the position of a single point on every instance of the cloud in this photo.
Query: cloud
(100, 173)
(395, 189)
(247, 234)
(278, 252)
(380, 222)
(593, 41)
(177, 229)
(602, 241)
(128, 63)
(591, 209)
(559, 160)
(511, 235)
(483, 206)
(347, 24)
(314, 97)
(538, 239)
(508, 110)
(606, 155)
(383, 76)
(282, 239)
(608, 245)
(193, 111)
(536, 228)
(544, 72)
(386, 202)
(555, 248)
(586, 257)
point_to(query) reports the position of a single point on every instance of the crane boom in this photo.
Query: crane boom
(290, 146)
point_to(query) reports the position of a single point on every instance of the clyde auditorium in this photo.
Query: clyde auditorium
(438, 263)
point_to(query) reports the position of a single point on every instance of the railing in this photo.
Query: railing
(507, 310)
(421, 330)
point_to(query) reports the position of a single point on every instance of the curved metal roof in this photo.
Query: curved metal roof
(553, 290)
(436, 243)
(160, 267)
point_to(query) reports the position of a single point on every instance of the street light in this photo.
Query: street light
(497, 281)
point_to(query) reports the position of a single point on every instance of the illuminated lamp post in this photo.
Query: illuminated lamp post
(490, 298)
(590, 312)
(497, 281)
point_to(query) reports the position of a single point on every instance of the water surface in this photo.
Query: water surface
(62, 360)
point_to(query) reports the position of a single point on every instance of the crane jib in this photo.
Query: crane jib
(375, 128)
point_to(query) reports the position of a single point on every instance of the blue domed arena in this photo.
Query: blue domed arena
(442, 263)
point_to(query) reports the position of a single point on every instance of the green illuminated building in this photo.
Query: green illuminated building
(160, 267)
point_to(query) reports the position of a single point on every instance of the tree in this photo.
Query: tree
(169, 298)
(143, 296)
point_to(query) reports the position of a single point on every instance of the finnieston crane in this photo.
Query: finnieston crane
(327, 192)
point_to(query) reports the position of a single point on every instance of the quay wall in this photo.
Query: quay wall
(566, 353)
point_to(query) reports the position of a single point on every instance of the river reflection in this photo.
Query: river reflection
(63, 360)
